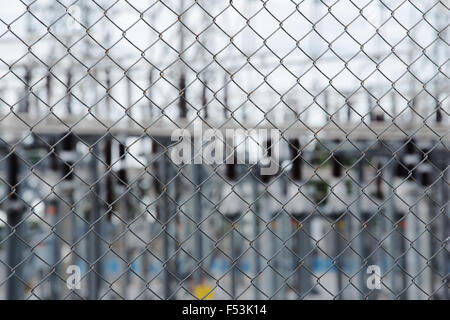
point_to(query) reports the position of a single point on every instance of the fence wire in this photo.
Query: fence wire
(204, 149)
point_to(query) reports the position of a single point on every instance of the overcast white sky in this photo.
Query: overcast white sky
(296, 81)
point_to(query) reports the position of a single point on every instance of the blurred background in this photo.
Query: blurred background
(91, 92)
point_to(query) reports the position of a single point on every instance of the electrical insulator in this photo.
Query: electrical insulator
(338, 199)
(69, 92)
(408, 161)
(425, 170)
(225, 97)
(122, 173)
(68, 155)
(25, 105)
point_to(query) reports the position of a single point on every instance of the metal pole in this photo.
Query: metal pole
(24, 105)
(15, 287)
(198, 216)
(411, 196)
(445, 229)
(55, 251)
(256, 243)
(164, 217)
(412, 259)
(301, 210)
(123, 211)
(145, 188)
(303, 248)
(267, 276)
(52, 210)
(15, 249)
(234, 254)
(359, 245)
(233, 263)
(426, 274)
(69, 225)
(273, 259)
(95, 225)
(149, 93)
(388, 228)
(338, 251)
(166, 210)
(402, 242)
(337, 211)
(284, 253)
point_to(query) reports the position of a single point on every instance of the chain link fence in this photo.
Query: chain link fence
(205, 149)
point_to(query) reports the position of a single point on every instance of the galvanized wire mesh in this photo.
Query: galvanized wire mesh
(346, 101)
